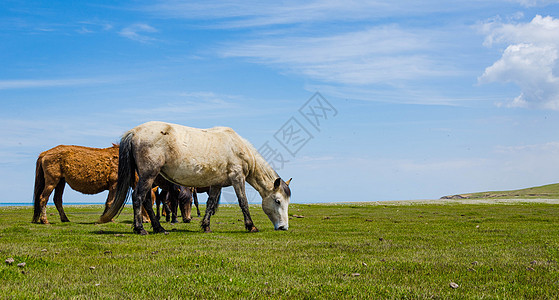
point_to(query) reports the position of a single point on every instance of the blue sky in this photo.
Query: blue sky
(430, 98)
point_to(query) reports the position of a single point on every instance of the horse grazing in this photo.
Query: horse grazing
(180, 196)
(192, 157)
(86, 170)
(173, 196)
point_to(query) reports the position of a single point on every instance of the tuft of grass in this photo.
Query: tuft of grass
(367, 250)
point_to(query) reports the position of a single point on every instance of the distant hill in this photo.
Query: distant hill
(550, 191)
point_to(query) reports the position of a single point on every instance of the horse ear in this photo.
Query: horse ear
(287, 182)
(277, 183)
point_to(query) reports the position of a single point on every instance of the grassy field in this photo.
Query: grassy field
(375, 250)
(549, 191)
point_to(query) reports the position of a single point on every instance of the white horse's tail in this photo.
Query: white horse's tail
(126, 178)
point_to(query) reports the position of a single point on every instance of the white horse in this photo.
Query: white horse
(214, 158)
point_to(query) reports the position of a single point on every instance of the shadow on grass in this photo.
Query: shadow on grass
(112, 232)
(175, 230)
(86, 223)
(149, 230)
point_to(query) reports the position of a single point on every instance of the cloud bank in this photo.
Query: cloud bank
(530, 60)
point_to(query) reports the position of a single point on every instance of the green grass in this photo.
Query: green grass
(399, 251)
(550, 191)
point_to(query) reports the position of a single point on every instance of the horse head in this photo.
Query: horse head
(276, 204)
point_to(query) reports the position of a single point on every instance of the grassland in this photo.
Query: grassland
(363, 251)
(549, 191)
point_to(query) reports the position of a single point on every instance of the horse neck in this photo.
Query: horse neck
(262, 177)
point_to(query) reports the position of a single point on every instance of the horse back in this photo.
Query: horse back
(87, 170)
(192, 156)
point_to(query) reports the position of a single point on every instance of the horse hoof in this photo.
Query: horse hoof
(160, 230)
(186, 220)
(174, 222)
(254, 229)
(141, 231)
(207, 230)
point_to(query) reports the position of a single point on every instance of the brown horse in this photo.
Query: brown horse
(86, 170)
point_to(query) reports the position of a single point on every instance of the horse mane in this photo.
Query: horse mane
(264, 167)
(260, 162)
(268, 170)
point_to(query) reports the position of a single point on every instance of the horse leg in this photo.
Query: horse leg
(195, 197)
(145, 215)
(172, 199)
(186, 207)
(58, 191)
(211, 206)
(166, 207)
(110, 197)
(139, 199)
(157, 204)
(165, 211)
(157, 212)
(239, 186)
(50, 185)
(148, 207)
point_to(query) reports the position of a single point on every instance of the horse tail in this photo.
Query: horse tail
(39, 187)
(126, 178)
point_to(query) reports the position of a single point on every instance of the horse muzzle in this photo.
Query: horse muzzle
(282, 227)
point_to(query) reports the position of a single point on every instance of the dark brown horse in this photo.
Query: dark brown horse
(171, 196)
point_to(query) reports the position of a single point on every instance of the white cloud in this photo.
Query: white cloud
(42, 83)
(136, 32)
(541, 30)
(340, 44)
(532, 3)
(530, 60)
(549, 149)
(254, 13)
(372, 56)
(88, 27)
(202, 105)
(238, 14)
